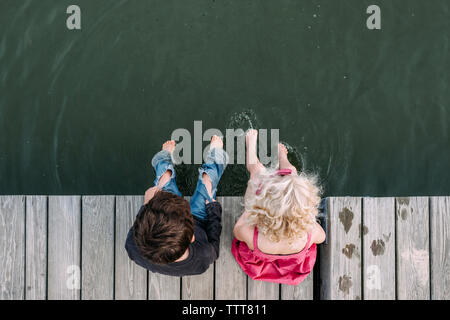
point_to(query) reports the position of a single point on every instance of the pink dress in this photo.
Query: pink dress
(286, 269)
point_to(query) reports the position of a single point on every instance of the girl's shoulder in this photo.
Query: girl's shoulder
(247, 233)
(317, 234)
(243, 231)
(283, 247)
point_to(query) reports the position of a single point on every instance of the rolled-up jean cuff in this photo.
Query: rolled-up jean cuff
(162, 161)
(217, 155)
(214, 166)
(162, 155)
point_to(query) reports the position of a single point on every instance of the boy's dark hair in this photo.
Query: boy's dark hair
(164, 229)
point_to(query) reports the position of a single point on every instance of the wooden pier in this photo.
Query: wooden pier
(72, 247)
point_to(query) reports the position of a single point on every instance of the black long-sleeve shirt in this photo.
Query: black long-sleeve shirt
(202, 252)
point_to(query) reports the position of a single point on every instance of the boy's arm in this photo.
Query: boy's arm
(213, 226)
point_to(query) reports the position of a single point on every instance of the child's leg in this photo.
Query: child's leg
(209, 176)
(165, 171)
(254, 166)
(283, 160)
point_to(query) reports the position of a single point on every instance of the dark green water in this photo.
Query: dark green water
(82, 112)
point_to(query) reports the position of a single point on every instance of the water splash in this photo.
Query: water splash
(245, 120)
(298, 159)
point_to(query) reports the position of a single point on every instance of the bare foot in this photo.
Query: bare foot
(216, 142)
(283, 160)
(169, 146)
(282, 151)
(251, 139)
(253, 163)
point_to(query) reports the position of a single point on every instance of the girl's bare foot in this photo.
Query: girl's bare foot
(283, 160)
(253, 163)
(216, 142)
(282, 151)
(169, 146)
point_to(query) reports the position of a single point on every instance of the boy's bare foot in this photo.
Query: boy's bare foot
(169, 146)
(283, 160)
(216, 142)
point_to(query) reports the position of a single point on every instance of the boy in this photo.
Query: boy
(169, 236)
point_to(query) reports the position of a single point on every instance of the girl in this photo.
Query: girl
(275, 238)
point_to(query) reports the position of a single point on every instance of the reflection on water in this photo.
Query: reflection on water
(82, 112)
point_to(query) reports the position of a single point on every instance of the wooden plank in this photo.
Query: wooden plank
(340, 264)
(200, 287)
(36, 248)
(302, 291)
(12, 247)
(413, 265)
(64, 242)
(379, 248)
(162, 287)
(440, 247)
(130, 279)
(261, 290)
(97, 248)
(231, 281)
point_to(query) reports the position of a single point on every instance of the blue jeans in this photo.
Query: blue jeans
(214, 166)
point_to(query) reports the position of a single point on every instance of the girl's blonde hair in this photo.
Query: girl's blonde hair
(284, 207)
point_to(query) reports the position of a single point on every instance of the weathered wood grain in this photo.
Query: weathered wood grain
(97, 248)
(404, 225)
(64, 243)
(130, 279)
(379, 248)
(440, 247)
(340, 265)
(413, 264)
(200, 287)
(302, 291)
(12, 247)
(36, 248)
(262, 290)
(231, 281)
(162, 287)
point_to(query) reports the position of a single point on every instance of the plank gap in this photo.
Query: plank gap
(361, 232)
(114, 248)
(81, 249)
(396, 248)
(25, 249)
(46, 250)
(430, 241)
